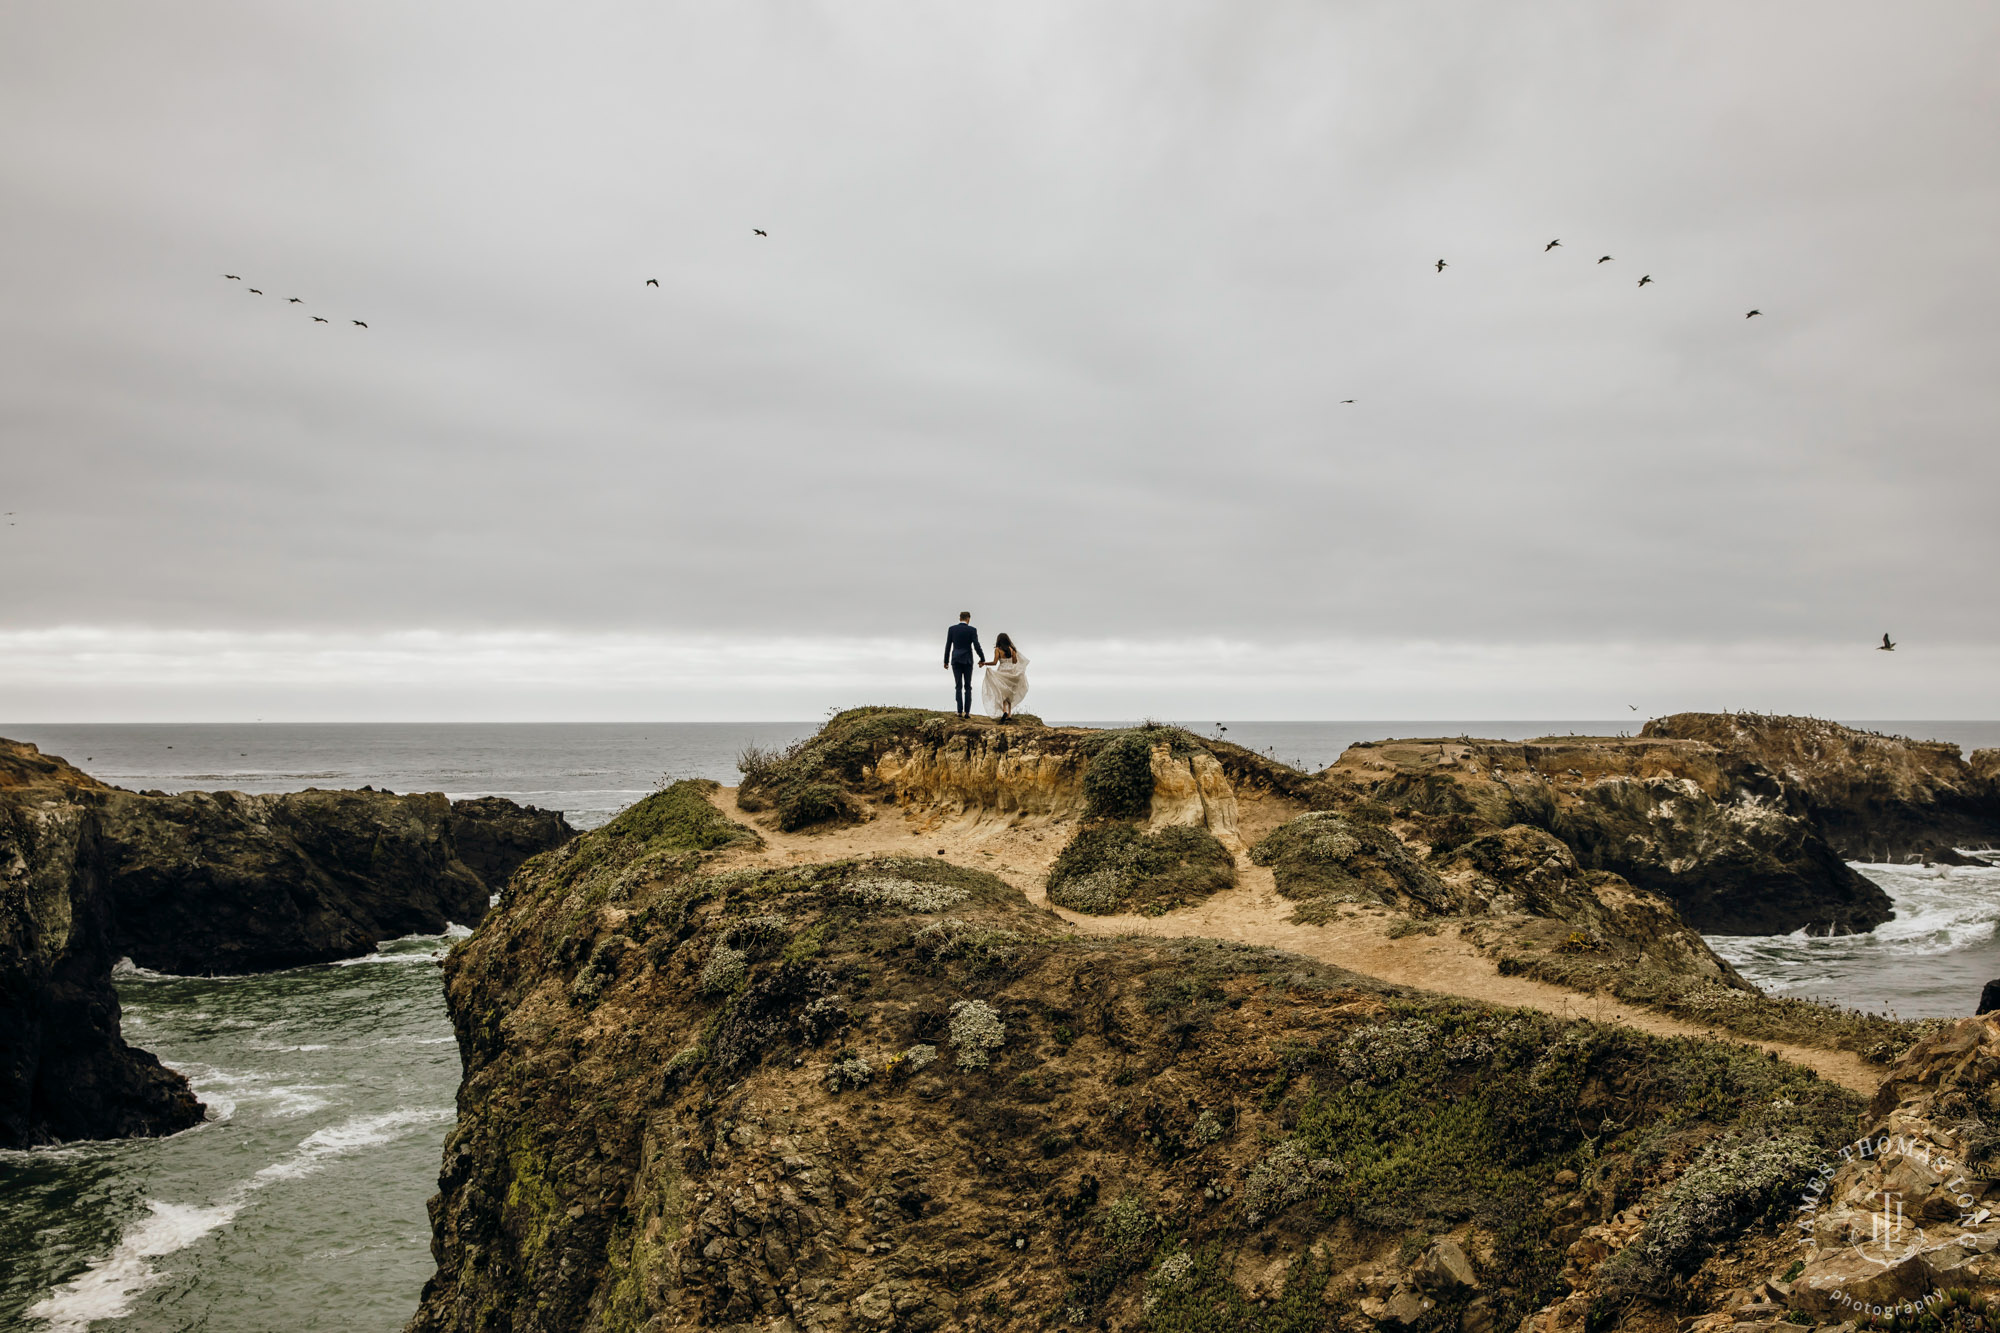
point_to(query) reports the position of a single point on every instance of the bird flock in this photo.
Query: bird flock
(291, 300)
(1555, 244)
(1645, 279)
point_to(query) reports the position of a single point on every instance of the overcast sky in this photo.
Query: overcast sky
(1054, 321)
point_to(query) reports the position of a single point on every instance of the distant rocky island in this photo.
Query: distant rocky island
(938, 1024)
(202, 883)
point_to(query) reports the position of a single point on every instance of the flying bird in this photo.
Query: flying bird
(356, 321)
(652, 282)
(1440, 266)
(295, 300)
(1888, 645)
(1753, 314)
(255, 292)
(318, 320)
(1643, 281)
(760, 231)
(233, 277)
(1604, 259)
(1347, 400)
(1550, 246)
(1633, 707)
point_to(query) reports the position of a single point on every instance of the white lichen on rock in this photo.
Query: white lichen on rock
(976, 1032)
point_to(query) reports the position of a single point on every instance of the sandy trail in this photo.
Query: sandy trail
(1253, 913)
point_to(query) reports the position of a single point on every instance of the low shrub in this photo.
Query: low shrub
(1733, 1184)
(1322, 859)
(976, 1032)
(1119, 782)
(1115, 867)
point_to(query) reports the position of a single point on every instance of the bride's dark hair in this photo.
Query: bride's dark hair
(1003, 644)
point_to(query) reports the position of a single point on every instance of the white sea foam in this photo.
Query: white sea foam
(323, 1145)
(105, 1289)
(1939, 910)
(106, 1286)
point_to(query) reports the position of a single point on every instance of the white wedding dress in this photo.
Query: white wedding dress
(1005, 685)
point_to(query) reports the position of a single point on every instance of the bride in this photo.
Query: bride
(1006, 682)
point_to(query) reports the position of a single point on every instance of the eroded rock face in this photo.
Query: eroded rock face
(65, 1071)
(1876, 798)
(1732, 847)
(493, 836)
(224, 882)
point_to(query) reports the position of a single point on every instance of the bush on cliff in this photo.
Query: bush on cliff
(807, 781)
(1323, 859)
(1116, 867)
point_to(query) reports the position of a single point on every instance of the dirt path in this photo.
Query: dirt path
(1252, 913)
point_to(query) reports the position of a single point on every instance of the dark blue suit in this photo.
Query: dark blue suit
(961, 652)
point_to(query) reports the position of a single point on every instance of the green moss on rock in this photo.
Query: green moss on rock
(1323, 859)
(1114, 867)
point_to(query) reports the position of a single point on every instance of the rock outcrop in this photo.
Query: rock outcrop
(891, 1094)
(1736, 849)
(968, 772)
(493, 836)
(224, 882)
(65, 1070)
(1875, 797)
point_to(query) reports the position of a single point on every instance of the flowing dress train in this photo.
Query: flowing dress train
(1005, 685)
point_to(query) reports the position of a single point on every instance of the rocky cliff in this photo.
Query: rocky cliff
(65, 1072)
(1875, 797)
(224, 882)
(1732, 845)
(966, 772)
(201, 883)
(890, 1093)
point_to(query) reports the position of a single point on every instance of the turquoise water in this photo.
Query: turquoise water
(300, 1205)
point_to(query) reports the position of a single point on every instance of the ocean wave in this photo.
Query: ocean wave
(1939, 910)
(106, 1286)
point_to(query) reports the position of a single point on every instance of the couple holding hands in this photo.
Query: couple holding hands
(1006, 682)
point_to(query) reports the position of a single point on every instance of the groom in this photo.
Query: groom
(961, 649)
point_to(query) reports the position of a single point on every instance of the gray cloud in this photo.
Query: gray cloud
(1055, 317)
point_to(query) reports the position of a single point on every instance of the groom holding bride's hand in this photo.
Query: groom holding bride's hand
(961, 653)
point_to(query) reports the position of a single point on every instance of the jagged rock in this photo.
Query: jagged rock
(1446, 1266)
(224, 882)
(1877, 798)
(1544, 913)
(65, 1071)
(1835, 1284)
(1714, 832)
(493, 836)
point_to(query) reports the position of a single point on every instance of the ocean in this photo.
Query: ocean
(300, 1204)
